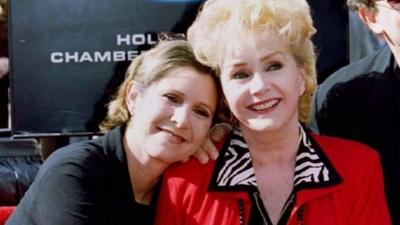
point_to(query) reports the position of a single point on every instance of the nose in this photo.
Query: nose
(258, 84)
(180, 116)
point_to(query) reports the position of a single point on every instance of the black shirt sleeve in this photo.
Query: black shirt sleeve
(69, 189)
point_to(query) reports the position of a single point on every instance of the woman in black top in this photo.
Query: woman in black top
(161, 115)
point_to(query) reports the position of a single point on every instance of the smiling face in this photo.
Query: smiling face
(172, 116)
(262, 82)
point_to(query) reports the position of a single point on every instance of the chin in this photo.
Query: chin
(262, 125)
(168, 156)
(164, 158)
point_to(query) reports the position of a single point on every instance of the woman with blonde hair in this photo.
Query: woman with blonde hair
(161, 115)
(271, 169)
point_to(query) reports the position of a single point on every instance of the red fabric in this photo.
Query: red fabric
(359, 199)
(5, 212)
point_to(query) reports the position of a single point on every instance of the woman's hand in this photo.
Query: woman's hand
(208, 150)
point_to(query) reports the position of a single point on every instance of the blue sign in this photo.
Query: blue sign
(64, 69)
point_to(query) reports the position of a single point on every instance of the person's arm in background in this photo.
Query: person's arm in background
(314, 115)
(4, 67)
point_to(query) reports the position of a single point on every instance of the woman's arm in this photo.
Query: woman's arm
(207, 150)
(66, 191)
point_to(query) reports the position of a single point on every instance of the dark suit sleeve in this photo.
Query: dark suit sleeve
(314, 115)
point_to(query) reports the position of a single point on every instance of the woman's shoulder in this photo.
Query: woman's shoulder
(190, 172)
(79, 152)
(84, 159)
(347, 154)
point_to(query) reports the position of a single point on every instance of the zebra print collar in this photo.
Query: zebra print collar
(234, 169)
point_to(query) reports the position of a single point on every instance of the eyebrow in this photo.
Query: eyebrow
(239, 63)
(271, 55)
(201, 103)
(208, 107)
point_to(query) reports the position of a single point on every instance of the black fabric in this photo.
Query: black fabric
(331, 21)
(19, 162)
(259, 215)
(83, 184)
(362, 102)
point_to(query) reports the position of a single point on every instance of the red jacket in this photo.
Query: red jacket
(358, 200)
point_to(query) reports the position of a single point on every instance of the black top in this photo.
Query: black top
(362, 102)
(83, 184)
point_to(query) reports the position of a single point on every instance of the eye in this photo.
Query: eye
(172, 98)
(202, 112)
(240, 75)
(274, 66)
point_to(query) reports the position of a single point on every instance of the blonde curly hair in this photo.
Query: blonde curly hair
(221, 20)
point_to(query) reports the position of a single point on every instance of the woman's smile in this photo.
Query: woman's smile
(264, 106)
(172, 136)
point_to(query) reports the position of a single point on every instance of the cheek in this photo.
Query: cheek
(302, 86)
(391, 25)
(153, 112)
(232, 95)
(293, 84)
(157, 105)
(396, 31)
(200, 130)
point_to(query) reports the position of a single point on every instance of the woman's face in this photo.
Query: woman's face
(262, 82)
(172, 116)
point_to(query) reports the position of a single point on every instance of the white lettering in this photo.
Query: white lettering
(135, 39)
(150, 40)
(138, 39)
(56, 57)
(97, 56)
(71, 56)
(105, 57)
(119, 56)
(121, 39)
(132, 54)
(86, 57)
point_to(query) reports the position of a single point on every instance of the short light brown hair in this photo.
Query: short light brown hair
(220, 20)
